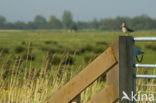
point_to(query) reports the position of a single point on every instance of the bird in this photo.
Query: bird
(125, 29)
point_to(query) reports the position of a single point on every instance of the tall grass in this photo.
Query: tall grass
(22, 82)
(32, 74)
(146, 86)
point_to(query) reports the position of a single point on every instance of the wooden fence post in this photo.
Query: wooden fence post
(122, 75)
(125, 66)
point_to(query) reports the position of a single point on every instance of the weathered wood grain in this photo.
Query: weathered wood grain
(107, 95)
(100, 65)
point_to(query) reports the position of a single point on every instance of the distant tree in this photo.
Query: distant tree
(31, 25)
(142, 22)
(20, 25)
(39, 19)
(10, 25)
(83, 25)
(40, 22)
(2, 22)
(107, 24)
(112, 23)
(54, 23)
(67, 19)
(73, 27)
(95, 24)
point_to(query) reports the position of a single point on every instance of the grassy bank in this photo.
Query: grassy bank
(34, 64)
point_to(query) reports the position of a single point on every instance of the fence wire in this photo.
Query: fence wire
(146, 86)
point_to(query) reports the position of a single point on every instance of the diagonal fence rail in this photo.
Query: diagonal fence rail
(77, 84)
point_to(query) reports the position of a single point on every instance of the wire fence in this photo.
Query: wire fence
(146, 86)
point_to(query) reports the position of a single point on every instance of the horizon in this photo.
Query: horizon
(26, 10)
(79, 20)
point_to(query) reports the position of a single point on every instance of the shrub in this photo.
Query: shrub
(50, 42)
(52, 50)
(101, 43)
(150, 46)
(4, 50)
(29, 57)
(19, 49)
(56, 60)
(86, 48)
(23, 43)
(87, 59)
(98, 50)
(68, 60)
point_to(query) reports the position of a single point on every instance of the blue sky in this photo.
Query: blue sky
(82, 10)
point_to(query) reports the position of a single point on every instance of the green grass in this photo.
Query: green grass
(62, 41)
(53, 57)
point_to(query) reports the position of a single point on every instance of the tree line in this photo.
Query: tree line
(142, 22)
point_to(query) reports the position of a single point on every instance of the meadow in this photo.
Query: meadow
(34, 64)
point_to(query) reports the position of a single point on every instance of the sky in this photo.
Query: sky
(82, 10)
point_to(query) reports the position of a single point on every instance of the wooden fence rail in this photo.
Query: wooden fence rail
(116, 61)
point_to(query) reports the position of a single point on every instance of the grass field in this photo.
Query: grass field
(34, 64)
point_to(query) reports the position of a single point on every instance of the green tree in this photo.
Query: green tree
(112, 23)
(83, 25)
(95, 24)
(40, 22)
(67, 19)
(142, 22)
(54, 23)
(20, 25)
(2, 22)
(73, 27)
(31, 25)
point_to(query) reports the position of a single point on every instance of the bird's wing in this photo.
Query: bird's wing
(130, 30)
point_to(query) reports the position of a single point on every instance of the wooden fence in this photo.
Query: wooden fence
(116, 61)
